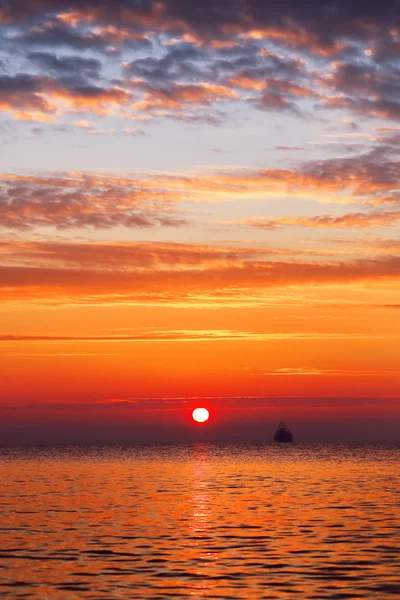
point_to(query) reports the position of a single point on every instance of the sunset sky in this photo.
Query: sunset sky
(199, 206)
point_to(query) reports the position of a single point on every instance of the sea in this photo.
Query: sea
(200, 521)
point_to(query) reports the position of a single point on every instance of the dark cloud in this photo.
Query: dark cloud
(367, 87)
(36, 95)
(177, 64)
(19, 84)
(184, 61)
(258, 48)
(278, 95)
(325, 17)
(56, 33)
(241, 67)
(387, 48)
(59, 35)
(22, 92)
(67, 65)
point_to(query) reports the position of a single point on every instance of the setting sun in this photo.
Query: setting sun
(199, 204)
(201, 415)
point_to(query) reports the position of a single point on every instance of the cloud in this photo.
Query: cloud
(391, 306)
(148, 255)
(56, 34)
(100, 100)
(178, 62)
(245, 51)
(30, 97)
(370, 87)
(142, 256)
(390, 139)
(99, 201)
(23, 93)
(353, 220)
(82, 201)
(193, 335)
(67, 65)
(186, 403)
(198, 74)
(291, 148)
(323, 19)
(182, 281)
(241, 46)
(178, 96)
(317, 372)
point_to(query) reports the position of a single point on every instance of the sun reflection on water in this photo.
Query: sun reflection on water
(201, 525)
(201, 500)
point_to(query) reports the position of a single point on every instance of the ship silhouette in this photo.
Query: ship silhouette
(283, 434)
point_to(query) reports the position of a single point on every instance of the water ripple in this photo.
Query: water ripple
(200, 522)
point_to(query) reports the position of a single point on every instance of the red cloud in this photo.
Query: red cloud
(357, 220)
(178, 96)
(168, 273)
(95, 99)
(79, 200)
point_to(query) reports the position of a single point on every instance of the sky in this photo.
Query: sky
(199, 206)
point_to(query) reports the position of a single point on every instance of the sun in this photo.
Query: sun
(200, 415)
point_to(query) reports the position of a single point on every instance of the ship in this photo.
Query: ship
(283, 434)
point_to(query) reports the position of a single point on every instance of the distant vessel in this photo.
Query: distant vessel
(283, 434)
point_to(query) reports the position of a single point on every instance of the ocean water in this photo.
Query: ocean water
(201, 521)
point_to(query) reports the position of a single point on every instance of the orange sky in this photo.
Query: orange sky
(198, 208)
(306, 342)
